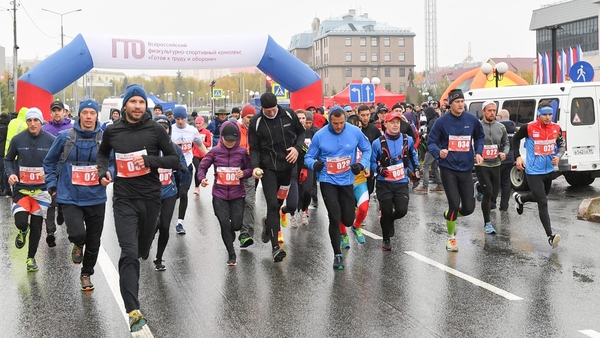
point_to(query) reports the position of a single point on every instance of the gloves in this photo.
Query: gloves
(417, 172)
(357, 168)
(303, 175)
(52, 190)
(318, 165)
(383, 171)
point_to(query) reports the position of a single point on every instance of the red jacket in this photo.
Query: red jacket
(207, 140)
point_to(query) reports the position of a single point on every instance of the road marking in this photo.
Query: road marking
(466, 277)
(370, 234)
(112, 278)
(590, 333)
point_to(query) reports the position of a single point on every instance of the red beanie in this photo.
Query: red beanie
(248, 110)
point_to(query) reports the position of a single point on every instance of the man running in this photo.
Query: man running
(450, 142)
(544, 146)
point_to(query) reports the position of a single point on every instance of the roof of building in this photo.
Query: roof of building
(564, 12)
(302, 40)
(349, 24)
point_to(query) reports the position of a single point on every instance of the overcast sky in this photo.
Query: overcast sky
(494, 29)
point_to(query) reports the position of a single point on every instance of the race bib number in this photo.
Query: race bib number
(283, 191)
(203, 137)
(396, 172)
(186, 147)
(165, 176)
(544, 147)
(338, 165)
(86, 175)
(31, 175)
(125, 166)
(307, 142)
(460, 143)
(490, 151)
(228, 176)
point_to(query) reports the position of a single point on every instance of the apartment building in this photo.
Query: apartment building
(352, 47)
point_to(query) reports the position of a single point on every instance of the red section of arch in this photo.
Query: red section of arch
(31, 96)
(314, 93)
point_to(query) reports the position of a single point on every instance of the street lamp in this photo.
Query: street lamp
(375, 80)
(62, 34)
(226, 99)
(498, 71)
(212, 97)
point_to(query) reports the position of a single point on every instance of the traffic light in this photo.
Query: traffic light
(268, 84)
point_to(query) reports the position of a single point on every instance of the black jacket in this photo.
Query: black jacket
(371, 132)
(124, 137)
(4, 121)
(270, 138)
(511, 129)
(26, 150)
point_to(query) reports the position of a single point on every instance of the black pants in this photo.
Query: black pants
(196, 163)
(305, 190)
(291, 202)
(51, 216)
(371, 184)
(393, 202)
(184, 187)
(35, 230)
(271, 181)
(230, 215)
(539, 187)
(505, 186)
(135, 222)
(84, 227)
(167, 209)
(340, 204)
(489, 181)
(458, 186)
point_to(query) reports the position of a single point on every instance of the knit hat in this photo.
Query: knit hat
(268, 100)
(347, 108)
(179, 113)
(230, 132)
(87, 104)
(235, 110)
(487, 103)
(309, 116)
(396, 106)
(163, 121)
(455, 94)
(158, 106)
(134, 90)
(199, 119)
(34, 113)
(248, 110)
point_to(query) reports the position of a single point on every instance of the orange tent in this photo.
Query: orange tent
(475, 78)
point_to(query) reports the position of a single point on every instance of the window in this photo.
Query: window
(386, 42)
(348, 42)
(363, 42)
(363, 57)
(325, 42)
(402, 72)
(402, 87)
(387, 57)
(374, 57)
(582, 111)
(520, 111)
(401, 57)
(374, 72)
(373, 42)
(348, 72)
(388, 86)
(400, 42)
(348, 57)
(363, 72)
(387, 72)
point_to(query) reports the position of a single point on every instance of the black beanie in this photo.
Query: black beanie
(397, 105)
(455, 94)
(268, 100)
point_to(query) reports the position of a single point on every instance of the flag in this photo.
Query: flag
(563, 66)
(558, 68)
(538, 71)
(546, 68)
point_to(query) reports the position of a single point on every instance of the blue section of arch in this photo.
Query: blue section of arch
(61, 68)
(285, 68)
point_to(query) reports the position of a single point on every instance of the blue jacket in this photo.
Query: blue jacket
(449, 125)
(170, 189)
(83, 153)
(215, 128)
(326, 143)
(395, 147)
(26, 150)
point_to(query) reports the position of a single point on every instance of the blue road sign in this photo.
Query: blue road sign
(361, 93)
(581, 72)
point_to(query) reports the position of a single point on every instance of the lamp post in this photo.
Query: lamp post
(498, 71)
(62, 34)
(212, 98)
(191, 96)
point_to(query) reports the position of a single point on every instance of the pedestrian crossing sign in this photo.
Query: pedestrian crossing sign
(217, 93)
(280, 92)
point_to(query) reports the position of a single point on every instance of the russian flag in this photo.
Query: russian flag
(558, 68)
(538, 72)
(545, 68)
(579, 53)
(563, 66)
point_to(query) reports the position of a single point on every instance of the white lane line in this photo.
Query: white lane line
(112, 278)
(370, 234)
(590, 333)
(466, 277)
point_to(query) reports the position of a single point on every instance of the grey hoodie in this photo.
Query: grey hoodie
(495, 135)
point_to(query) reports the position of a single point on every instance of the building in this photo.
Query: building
(3, 62)
(353, 47)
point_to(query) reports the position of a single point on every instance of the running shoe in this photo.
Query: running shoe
(518, 203)
(421, 189)
(76, 254)
(553, 240)
(360, 238)
(246, 241)
(179, 228)
(451, 245)
(265, 232)
(280, 236)
(86, 283)
(51, 240)
(283, 220)
(136, 320)
(386, 245)
(159, 266)
(304, 217)
(31, 265)
(438, 188)
(197, 191)
(489, 229)
(338, 262)
(345, 241)
(293, 221)
(479, 193)
(278, 254)
(232, 261)
(21, 239)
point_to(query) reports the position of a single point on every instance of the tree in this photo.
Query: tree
(124, 84)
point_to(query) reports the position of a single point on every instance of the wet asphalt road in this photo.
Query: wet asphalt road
(397, 294)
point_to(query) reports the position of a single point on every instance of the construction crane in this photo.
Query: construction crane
(431, 50)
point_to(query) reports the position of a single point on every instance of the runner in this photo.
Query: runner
(544, 146)
(508, 163)
(450, 142)
(206, 138)
(334, 148)
(247, 232)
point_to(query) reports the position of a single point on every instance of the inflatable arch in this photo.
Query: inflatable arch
(37, 87)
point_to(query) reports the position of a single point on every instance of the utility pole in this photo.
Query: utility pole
(15, 48)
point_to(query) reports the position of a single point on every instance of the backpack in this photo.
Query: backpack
(385, 159)
(71, 139)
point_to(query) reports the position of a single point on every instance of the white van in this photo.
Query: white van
(115, 102)
(576, 107)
